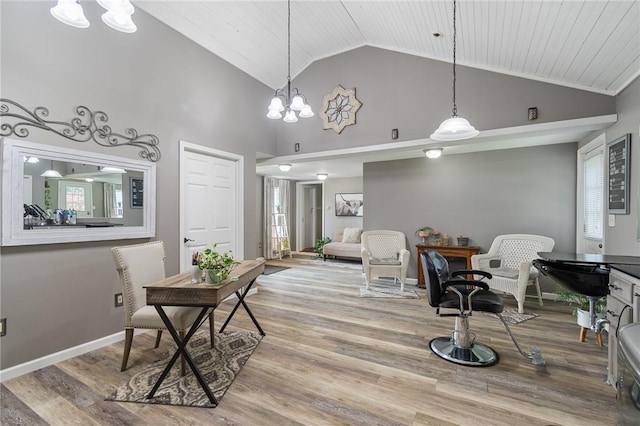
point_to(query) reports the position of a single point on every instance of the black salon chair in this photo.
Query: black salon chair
(452, 291)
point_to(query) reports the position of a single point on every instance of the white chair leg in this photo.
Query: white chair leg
(539, 293)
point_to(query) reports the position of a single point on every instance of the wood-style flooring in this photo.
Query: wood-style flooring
(333, 358)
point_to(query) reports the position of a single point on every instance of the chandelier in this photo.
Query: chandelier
(117, 16)
(454, 128)
(282, 101)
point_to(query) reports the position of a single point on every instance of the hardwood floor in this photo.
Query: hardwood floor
(331, 357)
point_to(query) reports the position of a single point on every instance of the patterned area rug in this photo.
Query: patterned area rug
(219, 366)
(511, 316)
(388, 290)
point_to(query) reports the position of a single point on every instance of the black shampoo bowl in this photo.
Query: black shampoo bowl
(588, 279)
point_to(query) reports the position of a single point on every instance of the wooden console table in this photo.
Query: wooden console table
(446, 251)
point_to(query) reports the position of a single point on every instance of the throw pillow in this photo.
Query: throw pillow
(351, 235)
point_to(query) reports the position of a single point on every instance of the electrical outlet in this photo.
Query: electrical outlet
(119, 301)
(3, 327)
(612, 220)
(296, 147)
(394, 133)
(533, 113)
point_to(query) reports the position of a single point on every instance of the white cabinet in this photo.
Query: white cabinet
(623, 295)
(281, 245)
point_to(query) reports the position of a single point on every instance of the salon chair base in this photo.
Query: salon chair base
(477, 355)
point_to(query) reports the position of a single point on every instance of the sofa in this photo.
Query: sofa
(346, 243)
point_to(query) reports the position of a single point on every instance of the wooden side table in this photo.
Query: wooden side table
(446, 251)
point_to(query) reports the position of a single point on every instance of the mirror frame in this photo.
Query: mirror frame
(13, 232)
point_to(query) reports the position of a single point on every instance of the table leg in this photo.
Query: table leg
(241, 301)
(182, 350)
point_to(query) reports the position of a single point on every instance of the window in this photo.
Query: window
(592, 197)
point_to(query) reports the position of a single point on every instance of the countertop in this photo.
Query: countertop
(633, 270)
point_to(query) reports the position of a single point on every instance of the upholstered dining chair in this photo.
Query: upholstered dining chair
(139, 265)
(509, 262)
(384, 254)
(454, 295)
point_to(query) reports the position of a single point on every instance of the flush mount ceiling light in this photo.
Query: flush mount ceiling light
(322, 176)
(32, 160)
(454, 128)
(51, 173)
(118, 15)
(109, 169)
(433, 152)
(284, 167)
(282, 101)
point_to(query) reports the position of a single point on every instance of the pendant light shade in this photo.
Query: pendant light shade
(70, 13)
(454, 128)
(51, 173)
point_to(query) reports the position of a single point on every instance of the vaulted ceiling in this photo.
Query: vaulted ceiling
(587, 44)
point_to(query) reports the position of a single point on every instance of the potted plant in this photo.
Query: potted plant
(320, 242)
(217, 266)
(580, 302)
(424, 233)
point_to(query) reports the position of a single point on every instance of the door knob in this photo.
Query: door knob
(186, 240)
(600, 245)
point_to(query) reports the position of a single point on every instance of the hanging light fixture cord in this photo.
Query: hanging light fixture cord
(454, 111)
(288, 52)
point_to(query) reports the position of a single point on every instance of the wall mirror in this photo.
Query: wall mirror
(63, 195)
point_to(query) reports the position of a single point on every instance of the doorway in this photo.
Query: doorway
(309, 214)
(211, 201)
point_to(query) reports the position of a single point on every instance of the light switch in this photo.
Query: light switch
(612, 220)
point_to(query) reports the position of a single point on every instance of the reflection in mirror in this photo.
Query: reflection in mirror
(67, 195)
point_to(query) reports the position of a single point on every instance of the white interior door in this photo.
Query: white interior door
(210, 206)
(590, 220)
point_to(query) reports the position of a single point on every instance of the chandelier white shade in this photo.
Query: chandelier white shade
(51, 173)
(117, 16)
(284, 167)
(454, 128)
(70, 13)
(282, 101)
(322, 176)
(433, 152)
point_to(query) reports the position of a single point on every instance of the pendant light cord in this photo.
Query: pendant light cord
(454, 111)
(288, 53)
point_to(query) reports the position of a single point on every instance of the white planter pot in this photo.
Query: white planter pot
(584, 318)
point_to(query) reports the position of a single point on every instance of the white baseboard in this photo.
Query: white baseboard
(47, 360)
(63, 355)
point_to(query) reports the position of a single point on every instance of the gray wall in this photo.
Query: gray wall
(623, 238)
(336, 186)
(61, 295)
(413, 94)
(479, 195)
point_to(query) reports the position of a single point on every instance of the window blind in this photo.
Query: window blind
(592, 198)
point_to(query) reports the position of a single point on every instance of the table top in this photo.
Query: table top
(177, 290)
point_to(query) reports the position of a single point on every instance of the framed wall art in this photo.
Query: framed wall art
(619, 155)
(349, 205)
(136, 186)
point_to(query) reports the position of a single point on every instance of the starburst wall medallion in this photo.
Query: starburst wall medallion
(339, 109)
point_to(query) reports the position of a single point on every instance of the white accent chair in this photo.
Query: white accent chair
(139, 265)
(509, 261)
(384, 254)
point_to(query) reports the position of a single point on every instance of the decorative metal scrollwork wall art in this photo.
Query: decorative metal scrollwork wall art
(90, 125)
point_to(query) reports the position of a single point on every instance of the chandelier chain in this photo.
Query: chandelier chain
(289, 40)
(455, 108)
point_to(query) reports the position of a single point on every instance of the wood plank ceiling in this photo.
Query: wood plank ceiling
(587, 44)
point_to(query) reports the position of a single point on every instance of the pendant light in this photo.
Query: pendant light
(51, 173)
(282, 101)
(454, 128)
